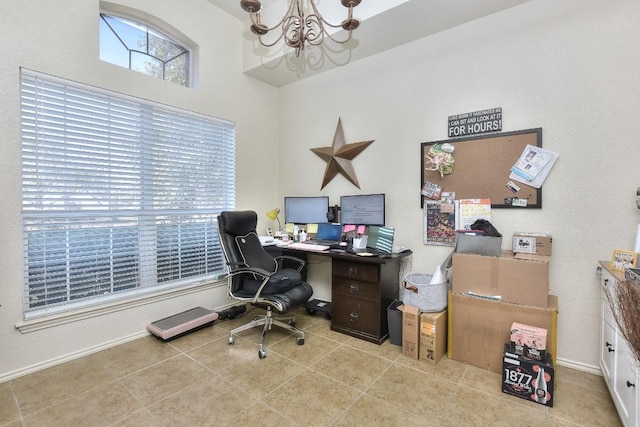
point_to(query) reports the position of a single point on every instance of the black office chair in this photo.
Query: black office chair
(256, 277)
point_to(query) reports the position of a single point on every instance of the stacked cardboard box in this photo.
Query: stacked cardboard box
(504, 278)
(528, 379)
(488, 294)
(424, 335)
(410, 330)
(479, 328)
(433, 336)
(528, 341)
(535, 244)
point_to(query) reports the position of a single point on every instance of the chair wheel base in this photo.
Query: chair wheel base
(300, 341)
(262, 354)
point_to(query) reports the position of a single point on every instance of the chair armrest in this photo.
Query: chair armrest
(301, 262)
(250, 270)
(254, 271)
(235, 265)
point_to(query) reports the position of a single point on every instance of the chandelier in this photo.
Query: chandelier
(297, 28)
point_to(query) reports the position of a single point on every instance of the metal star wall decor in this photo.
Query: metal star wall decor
(339, 156)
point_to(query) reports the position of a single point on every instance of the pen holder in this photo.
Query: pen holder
(360, 243)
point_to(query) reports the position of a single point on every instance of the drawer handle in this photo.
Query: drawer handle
(353, 271)
(606, 282)
(608, 343)
(610, 350)
(353, 288)
(629, 384)
(354, 317)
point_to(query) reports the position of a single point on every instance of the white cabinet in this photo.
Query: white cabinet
(619, 367)
(625, 384)
(608, 338)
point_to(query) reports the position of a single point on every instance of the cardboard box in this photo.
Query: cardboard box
(433, 336)
(531, 257)
(478, 328)
(410, 330)
(528, 352)
(531, 380)
(532, 243)
(528, 341)
(518, 281)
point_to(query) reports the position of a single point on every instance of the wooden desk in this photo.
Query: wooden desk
(361, 290)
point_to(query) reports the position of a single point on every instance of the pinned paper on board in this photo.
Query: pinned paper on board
(440, 158)
(533, 166)
(469, 211)
(439, 226)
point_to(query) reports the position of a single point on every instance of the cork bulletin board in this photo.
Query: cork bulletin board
(482, 167)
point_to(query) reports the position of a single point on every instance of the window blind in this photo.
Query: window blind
(120, 195)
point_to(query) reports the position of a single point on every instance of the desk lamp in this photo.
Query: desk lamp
(273, 215)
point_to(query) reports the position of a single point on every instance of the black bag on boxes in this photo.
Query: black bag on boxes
(486, 227)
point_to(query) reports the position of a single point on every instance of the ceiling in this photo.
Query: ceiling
(384, 25)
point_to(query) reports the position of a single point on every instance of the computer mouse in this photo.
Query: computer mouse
(343, 243)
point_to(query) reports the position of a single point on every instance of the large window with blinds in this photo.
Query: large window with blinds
(120, 195)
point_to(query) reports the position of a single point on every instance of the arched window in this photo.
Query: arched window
(139, 47)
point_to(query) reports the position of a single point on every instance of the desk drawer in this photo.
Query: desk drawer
(356, 288)
(352, 270)
(356, 314)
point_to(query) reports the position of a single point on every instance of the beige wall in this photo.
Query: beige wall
(570, 67)
(61, 38)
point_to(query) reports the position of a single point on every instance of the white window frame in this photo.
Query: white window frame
(174, 185)
(152, 26)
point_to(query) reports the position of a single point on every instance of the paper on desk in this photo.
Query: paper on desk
(361, 229)
(267, 240)
(312, 228)
(349, 227)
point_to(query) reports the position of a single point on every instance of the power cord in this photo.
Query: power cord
(232, 312)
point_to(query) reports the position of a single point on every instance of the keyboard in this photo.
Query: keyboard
(324, 242)
(308, 247)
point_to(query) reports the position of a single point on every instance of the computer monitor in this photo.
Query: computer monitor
(362, 209)
(306, 210)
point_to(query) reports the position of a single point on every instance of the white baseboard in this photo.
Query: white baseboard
(8, 376)
(69, 357)
(578, 366)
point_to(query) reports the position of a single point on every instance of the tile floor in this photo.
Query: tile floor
(332, 380)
